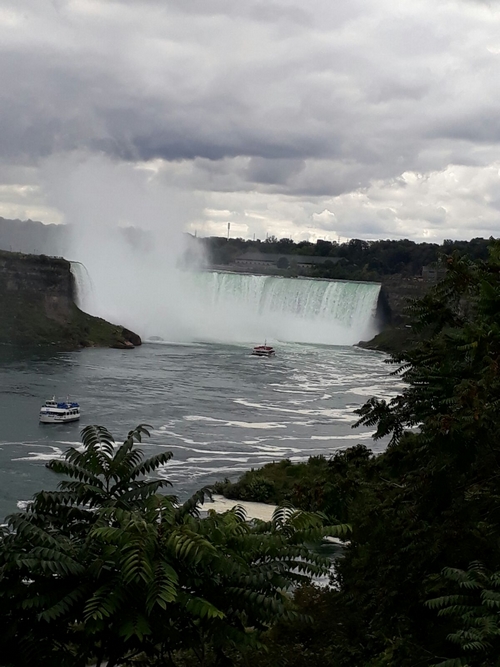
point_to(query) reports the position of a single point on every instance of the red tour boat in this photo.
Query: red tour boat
(263, 351)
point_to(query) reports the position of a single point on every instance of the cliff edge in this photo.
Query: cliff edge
(396, 294)
(37, 307)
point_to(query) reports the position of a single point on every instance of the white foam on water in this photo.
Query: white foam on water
(279, 389)
(238, 424)
(352, 436)
(200, 443)
(274, 449)
(186, 440)
(381, 390)
(55, 453)
(337, 414)
(71, 443)
(214, 452)
(212, 459)
(194, 472)
(23, 504)
(22, 444)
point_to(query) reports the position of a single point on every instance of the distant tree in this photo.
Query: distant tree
(365, 260)
(304, 248)
(323, 248)
(285, 246)
(282, 263)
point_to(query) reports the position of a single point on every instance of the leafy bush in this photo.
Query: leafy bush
(108, 569)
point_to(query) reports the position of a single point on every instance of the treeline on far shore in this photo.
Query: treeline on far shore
(360, 259)
(363, 260)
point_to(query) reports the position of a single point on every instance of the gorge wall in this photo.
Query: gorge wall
(392, 313)
(37, 306)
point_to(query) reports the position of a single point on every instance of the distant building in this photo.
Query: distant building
(433, 273)
(254, 260)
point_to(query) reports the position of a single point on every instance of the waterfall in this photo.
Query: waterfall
(84, 288)
(243, 307)
(184, 306)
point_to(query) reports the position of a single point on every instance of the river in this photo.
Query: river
(218, 409)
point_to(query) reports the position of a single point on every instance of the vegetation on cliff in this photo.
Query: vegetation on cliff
(392, 340)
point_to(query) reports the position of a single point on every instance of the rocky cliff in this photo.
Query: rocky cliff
(37, 307)
(396, 293)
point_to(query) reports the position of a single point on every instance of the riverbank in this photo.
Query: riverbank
(254, 510)
(392, 340)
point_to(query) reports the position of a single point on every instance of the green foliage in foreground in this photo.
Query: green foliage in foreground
(278, 482)
(320, 484)
(475, 610)
(109, 570)
(431, 502)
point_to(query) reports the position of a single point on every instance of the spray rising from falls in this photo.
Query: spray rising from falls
(243, 307)
(185, 306)
(239, 308)
(137, 283)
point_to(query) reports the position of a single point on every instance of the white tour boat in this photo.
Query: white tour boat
(59, 412)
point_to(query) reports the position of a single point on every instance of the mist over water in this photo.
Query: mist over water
(127, 232)
(141, 288)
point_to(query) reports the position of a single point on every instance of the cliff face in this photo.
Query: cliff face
(47, 278)
(37, 306)
(398, 290)
(395, 294)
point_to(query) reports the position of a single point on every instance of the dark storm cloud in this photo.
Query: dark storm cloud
(481, 127)
(277, 171)
(289, 99)
(51, 103)
(264, 12)
(45, 106)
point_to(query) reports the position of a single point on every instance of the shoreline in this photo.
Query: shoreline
(254, 510)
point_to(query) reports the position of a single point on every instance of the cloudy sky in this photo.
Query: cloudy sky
(319, 119)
